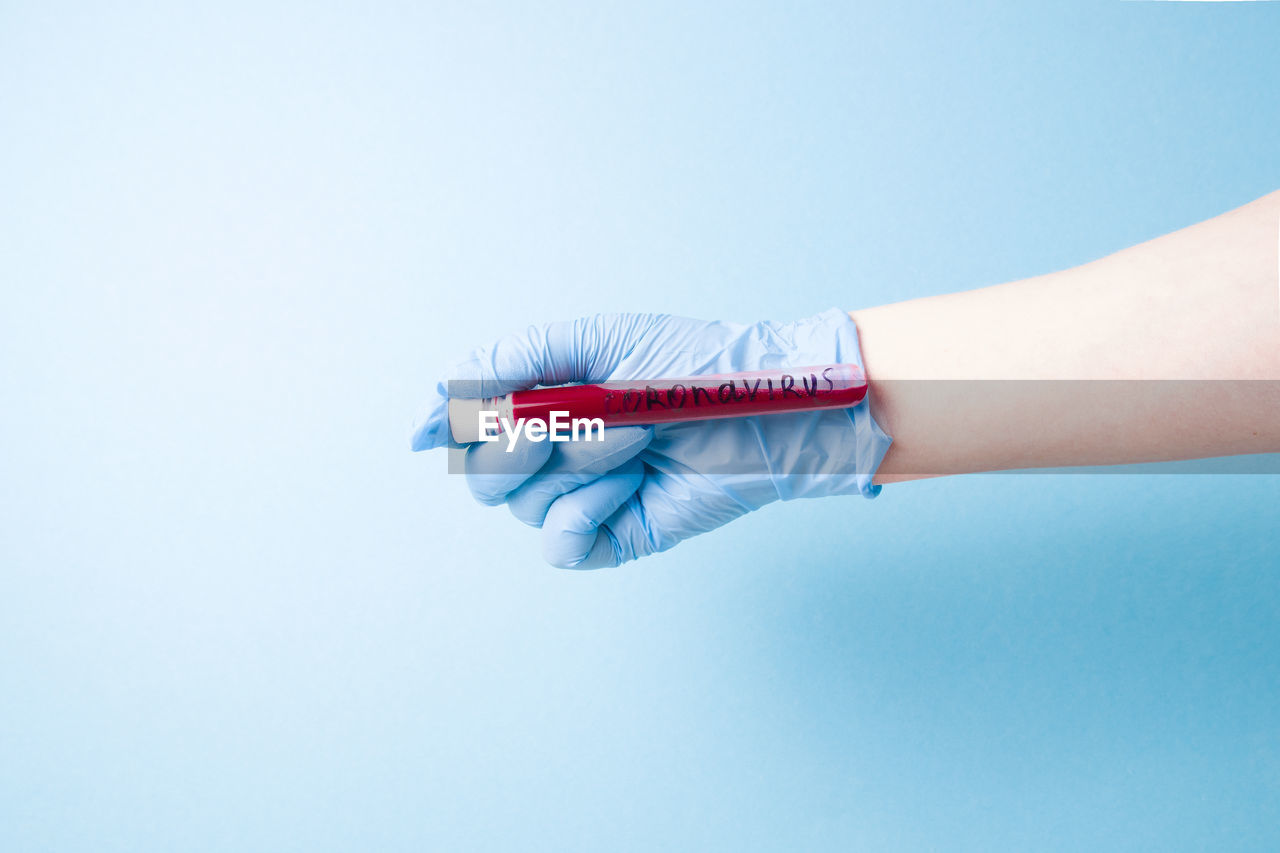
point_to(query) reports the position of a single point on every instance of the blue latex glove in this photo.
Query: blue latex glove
(644, 489)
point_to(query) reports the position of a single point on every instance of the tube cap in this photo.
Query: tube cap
(464, 417)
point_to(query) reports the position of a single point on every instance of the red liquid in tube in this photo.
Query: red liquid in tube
(659, 401)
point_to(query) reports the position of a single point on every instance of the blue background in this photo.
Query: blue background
(238, 243)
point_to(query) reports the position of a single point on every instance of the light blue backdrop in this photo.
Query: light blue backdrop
(236, 245)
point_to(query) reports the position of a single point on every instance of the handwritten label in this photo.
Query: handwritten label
(730, 393)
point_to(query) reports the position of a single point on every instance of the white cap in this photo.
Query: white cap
(464, 417)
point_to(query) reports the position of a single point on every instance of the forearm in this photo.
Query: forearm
(1200, 304)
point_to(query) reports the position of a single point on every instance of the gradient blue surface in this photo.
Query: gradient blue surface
(237, 244)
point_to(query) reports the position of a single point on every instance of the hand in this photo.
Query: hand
(645, 489)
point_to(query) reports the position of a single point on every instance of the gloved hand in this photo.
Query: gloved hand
(644, 489)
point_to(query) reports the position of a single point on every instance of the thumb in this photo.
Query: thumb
(584, 350)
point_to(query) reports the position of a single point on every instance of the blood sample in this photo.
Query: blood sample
(659, 401)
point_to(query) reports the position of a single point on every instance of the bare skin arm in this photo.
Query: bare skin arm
(1197, 307)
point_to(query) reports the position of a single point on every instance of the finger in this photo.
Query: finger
(571, 534)
(584, 350)
(665, 510)
(493, 472)
(573, 464)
